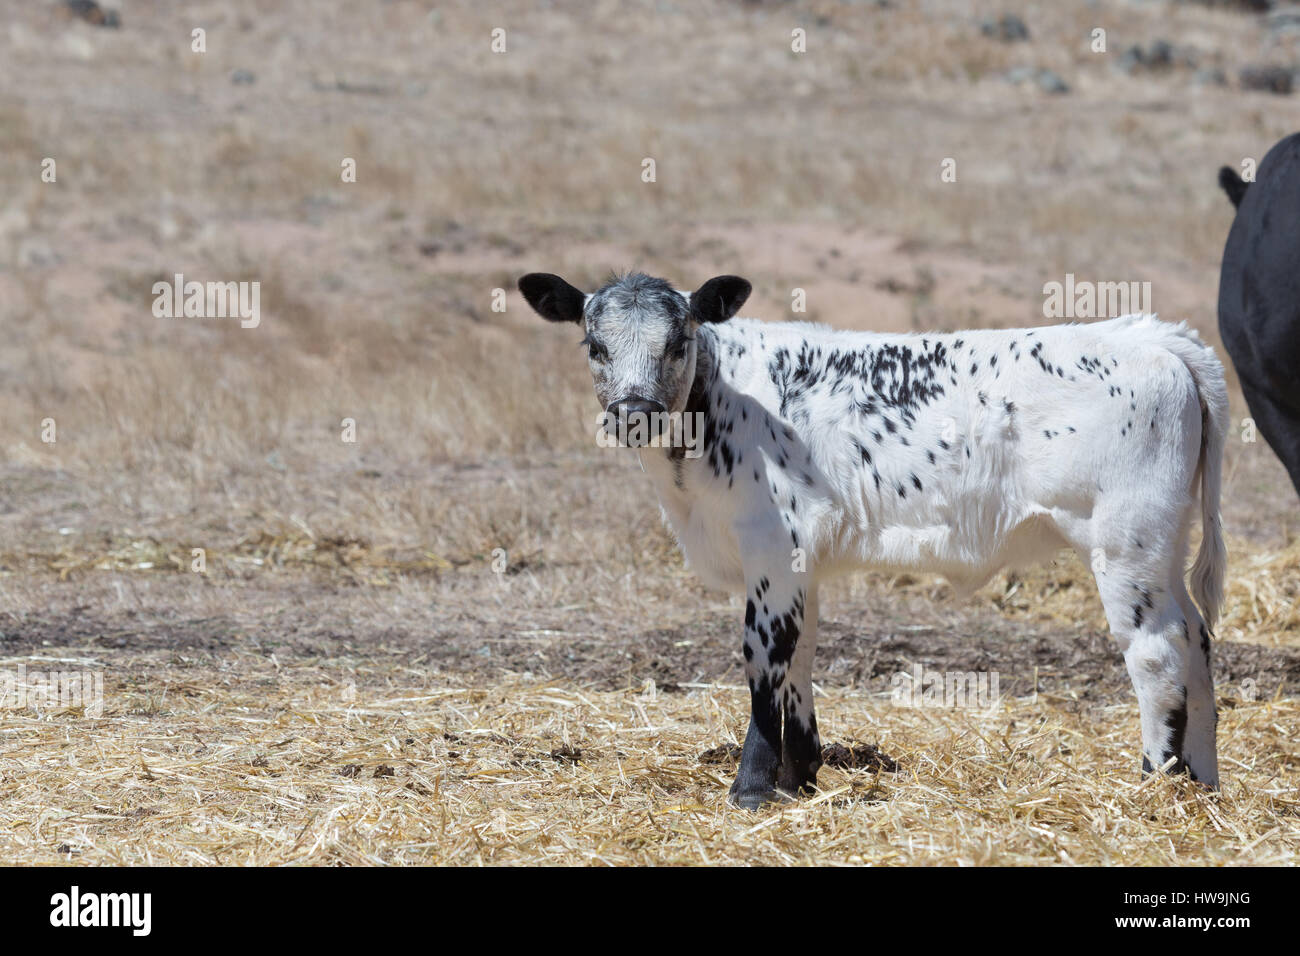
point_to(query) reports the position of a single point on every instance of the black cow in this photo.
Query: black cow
(1259, 296)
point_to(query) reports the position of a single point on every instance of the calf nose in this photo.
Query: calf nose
(628, 407)
(635, 419)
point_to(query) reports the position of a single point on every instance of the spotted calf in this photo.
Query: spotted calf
(824, 451)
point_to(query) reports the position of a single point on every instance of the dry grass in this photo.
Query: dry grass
(268, 756)
(349, 616)
(302, 768)
(1262, 599)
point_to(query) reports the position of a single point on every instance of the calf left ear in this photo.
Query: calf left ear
(552, 298)
(719, 299)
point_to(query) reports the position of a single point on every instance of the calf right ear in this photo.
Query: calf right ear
(551, 297)
(719, 299)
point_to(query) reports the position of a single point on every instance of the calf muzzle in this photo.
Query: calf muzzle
(635, 421)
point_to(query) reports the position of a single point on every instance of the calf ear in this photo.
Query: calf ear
(719, 299)
(551, 297)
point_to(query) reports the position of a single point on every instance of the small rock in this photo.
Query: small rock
(93, 13)
(1047, 80)
(1160, 55)
(242, 77)
(1050, 82)
(1241, 6)
(1284, 22)
(34, 253)
(1008, 28)
(1271, 79)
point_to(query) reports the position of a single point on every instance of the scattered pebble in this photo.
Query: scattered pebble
(1008, 28)
(93, 13)
(1046, 80)
(1270, 79)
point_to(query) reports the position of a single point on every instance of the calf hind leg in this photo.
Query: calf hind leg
(1158, 631)
(1199, 744)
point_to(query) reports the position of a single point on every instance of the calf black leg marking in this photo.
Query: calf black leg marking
(801, 749)
(801, 752)
(774, 613)
(1176, 723)
(761, 758)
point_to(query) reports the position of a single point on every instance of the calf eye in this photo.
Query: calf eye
(595, 351)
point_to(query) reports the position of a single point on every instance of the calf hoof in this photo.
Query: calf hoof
(754, 799)
(1179, 766)
(798, 783)
(1208, 781)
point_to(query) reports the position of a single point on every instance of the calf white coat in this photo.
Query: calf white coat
(958, 454)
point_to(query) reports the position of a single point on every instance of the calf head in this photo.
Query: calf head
(640, 337)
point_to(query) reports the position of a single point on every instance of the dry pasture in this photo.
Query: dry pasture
(349, 679)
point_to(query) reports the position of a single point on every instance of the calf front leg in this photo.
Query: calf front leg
(801, 747)
(774, 618)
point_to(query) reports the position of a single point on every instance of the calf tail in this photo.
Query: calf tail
(1211, 563)
(1232, 184)
(1212, 559)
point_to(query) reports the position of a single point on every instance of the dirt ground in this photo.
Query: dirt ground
(466, 637)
